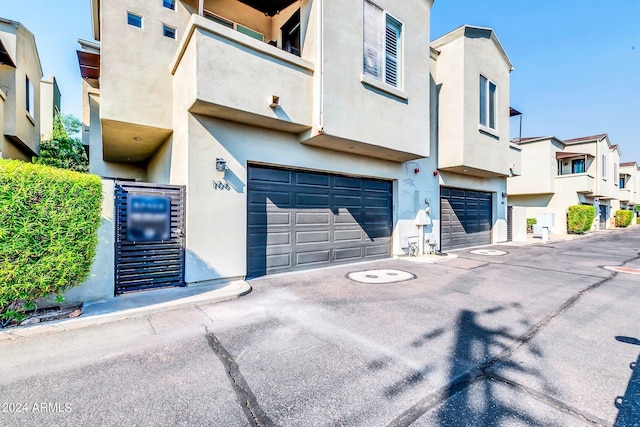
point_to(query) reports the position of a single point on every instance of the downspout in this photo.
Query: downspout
(321, 67)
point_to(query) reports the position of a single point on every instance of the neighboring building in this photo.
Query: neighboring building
(471, 73)
(20, 75)
(49, 106)
(557, 174)
(629, 184)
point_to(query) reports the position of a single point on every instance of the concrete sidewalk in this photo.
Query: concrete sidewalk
(134, 305)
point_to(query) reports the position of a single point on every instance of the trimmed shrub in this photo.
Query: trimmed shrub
(638, 221)
(530, 223)
(49, 219)
(580, 218)
(623, 218)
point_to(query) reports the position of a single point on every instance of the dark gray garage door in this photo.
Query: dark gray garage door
(465, 218)
(300, 219)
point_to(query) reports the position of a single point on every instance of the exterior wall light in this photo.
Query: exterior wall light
(275, 101)
(221, 164)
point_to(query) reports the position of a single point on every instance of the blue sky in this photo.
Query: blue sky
(577, 63)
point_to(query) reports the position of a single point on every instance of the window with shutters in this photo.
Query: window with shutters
(382, 56)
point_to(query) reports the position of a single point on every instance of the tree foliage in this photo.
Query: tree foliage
(64, 150)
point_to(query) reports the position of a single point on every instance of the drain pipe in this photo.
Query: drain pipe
(320, 65)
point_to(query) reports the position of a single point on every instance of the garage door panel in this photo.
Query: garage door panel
(312, 237)
(466, 218)
(347, 201)
(278, 261)
(312, 179)
(354, 235)
(313, 218)
(269, 175)
(376, 251)
(310, 200)
(346, 182)
(348, 254)
(329, 218)
(313, 257)
(380, 186)
(377, 202)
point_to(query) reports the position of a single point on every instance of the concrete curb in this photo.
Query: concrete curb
(231, 291)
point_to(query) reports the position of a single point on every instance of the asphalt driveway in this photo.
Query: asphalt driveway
(541, 335)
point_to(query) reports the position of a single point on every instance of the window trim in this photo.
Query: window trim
(132, 14)
(486, 90)
(368, 77)
(604, 167)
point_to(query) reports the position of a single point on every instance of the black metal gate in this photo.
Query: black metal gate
(148, 263)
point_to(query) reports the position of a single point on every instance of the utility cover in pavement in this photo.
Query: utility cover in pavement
(488, 252)
(380, 276)
(624, 269)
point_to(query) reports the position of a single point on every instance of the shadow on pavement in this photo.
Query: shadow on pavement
(629, 404)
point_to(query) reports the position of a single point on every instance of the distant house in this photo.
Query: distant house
(557, 174)
(20, 75)
(50, 98)
(629, 185)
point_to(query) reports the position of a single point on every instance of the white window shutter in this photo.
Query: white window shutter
(373, 40)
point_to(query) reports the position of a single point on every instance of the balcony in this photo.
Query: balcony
(225, 73)
(626, 195)
(582, 183)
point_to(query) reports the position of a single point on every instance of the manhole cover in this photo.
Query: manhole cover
(380, 276)
(624, 269)
(488, 252)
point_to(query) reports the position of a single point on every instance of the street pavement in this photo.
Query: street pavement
(540, 336)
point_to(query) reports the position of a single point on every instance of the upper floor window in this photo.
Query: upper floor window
(168, 31)
(488, 90)
(577, 166)
(622, 183)
(29, 97)
(291, 34)
(382, 56)
(169, 4)
(134, 20)
(604, 166)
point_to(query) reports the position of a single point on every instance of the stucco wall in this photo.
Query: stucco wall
(216, 219)
(135, 76)
(100, 284)
(465, 54)
(357, 111)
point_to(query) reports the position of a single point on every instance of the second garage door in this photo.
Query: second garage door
(465, 218)
(299, 219)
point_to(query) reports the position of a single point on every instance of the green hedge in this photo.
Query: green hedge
(623, 218)
(49, 219)
(580, 218)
